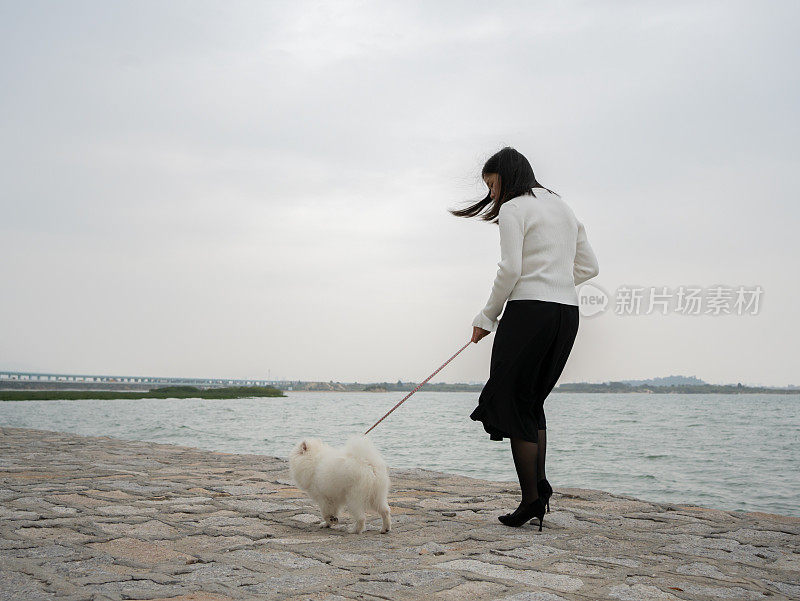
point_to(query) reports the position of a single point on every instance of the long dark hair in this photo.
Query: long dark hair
(516, 179)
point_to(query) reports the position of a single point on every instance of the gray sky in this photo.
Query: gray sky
(223, 189)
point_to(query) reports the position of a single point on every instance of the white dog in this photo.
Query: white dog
(354, 477)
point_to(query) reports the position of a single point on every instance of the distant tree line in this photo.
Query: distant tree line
(673, 389)
(164, 392)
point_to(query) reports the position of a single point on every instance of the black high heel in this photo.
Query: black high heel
(545, 492)
(523, 513)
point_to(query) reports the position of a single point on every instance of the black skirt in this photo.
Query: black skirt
(531, 346)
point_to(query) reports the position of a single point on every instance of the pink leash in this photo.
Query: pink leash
(418, 387)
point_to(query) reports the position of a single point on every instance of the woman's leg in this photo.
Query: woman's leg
(542, 452)
(525, 461)
(541, 436)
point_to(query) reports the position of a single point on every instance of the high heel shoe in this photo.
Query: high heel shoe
(524, 513)
(545, 492)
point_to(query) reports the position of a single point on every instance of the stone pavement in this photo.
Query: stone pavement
(104, 518)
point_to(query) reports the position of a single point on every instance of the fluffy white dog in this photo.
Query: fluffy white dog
(354, 477)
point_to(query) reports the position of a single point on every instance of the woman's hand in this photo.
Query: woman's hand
(478, 333)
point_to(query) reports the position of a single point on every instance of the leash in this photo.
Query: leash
(418, 387)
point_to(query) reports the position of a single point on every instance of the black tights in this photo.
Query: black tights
(529, 462)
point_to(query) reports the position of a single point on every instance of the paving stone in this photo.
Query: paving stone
(537, 596)
(9, 513)
(135, 488)
(220, 573)
(529, 577)
(573, 567)
(238, 526)
(561, 519)
(181, 500)
(137, 589)
(56, 533)
(414, 577)
(46, 551)
(699, 568)
(474, 589)
(19, 586)
(638, 592)
(307, 518)
(188, 509)
(203, 543)
(717, 592)
(31, 503)
(619, 561)
(344, 557)
(147, 530)
(284, 559)
(297, 540)
(431, 547)
(78, 500)
(294, 581)
(248, 490)
(319, 597)
(533, 552)
(254, 506)
(383, 589)
(124, 510)
(197, 596)
(140, 551)
(790, 589)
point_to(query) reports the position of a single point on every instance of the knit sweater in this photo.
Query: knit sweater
(544, 254)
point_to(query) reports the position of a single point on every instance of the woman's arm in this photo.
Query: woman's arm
(585, 266)
(512, 233)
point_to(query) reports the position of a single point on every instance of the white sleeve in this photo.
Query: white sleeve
(512, 233)
(585, 265)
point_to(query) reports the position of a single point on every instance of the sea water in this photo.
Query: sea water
(733, 452)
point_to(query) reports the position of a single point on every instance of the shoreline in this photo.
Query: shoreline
(433, 473)
(163, 393)
(650, 478)
(134, 519)
(567, 389)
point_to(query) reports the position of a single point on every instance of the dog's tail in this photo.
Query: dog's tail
(376, 474)
(360, 446)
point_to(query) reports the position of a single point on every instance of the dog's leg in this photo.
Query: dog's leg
(329, 518)
(358, 526)
(386, 517)
(360, 520)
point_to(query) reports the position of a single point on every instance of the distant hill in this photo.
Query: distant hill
(667, 381)
(617, 387)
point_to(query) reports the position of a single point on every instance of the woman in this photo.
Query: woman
(544, 254)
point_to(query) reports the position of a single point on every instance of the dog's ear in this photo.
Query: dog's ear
(303, 447)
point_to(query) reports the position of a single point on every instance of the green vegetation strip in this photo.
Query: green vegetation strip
(166, 392)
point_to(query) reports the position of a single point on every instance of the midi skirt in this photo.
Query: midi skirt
(531, 345)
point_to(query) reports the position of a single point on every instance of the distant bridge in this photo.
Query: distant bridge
(19, 377)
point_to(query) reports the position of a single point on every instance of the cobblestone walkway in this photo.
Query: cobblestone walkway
(103, 518)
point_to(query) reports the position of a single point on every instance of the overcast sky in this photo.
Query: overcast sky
(244, 189)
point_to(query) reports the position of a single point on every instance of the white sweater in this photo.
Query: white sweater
(544, 254)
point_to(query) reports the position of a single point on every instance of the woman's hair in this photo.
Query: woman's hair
(516, 179)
